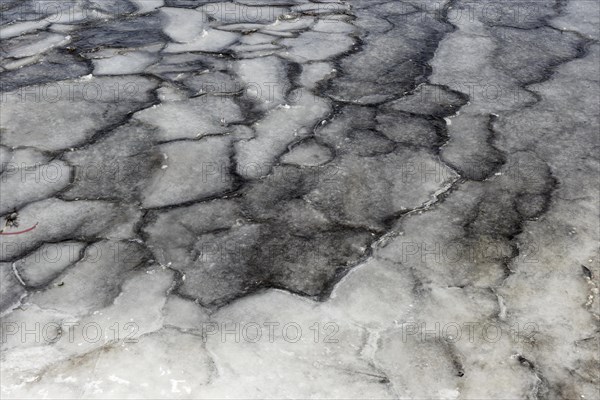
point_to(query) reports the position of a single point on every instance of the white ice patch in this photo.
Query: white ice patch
(289, 25)
(265, 79)
(20, 62)
(256, 38)
(16, 29)
(333, 26)
(124, 64)
(22, 184)
(276, 131)
(308, 153)
(196, 170)
(36, 44)
(211, 40)
(314, 73)
(255, 48)
(192, 118)
(65, 114)
(183, 25)
(146, 6)
(316, 46)
(47, 262)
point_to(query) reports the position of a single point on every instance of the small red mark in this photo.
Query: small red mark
(20, 232)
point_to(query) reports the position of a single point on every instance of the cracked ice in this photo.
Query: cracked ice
(300, 199)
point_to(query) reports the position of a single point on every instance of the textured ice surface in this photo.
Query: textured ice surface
(16, 29)
(265, 80)
(315, 46)
(183, 25)
(279, 128)
(191, 118)
(46, 180)
(211, 40)
(35, 270)
(71, 112)
(362, 199)
(29, 45)
(186, 173)
(308, 153)
(125, 63)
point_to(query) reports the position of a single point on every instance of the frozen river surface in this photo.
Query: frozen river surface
(277, 199)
